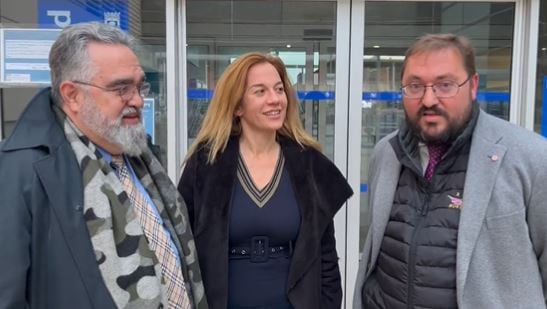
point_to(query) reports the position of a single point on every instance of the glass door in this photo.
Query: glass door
(386, 29)
(390, 27)
(304, 34)
(301, 33)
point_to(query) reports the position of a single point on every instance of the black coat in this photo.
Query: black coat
(320, 189)
(46, 256)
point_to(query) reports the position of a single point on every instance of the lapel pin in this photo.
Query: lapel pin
(494, 158)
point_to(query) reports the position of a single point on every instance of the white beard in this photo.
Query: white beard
(131, 139)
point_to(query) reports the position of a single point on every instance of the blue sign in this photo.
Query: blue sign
(393, 96)
(61, 13)
(24, 55)
(148, 120)
(544, 108)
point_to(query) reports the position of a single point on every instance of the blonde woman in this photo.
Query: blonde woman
(261, 196)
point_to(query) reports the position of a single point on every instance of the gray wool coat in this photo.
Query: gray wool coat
(502, 237)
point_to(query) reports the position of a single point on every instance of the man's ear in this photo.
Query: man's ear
(71, 96)
(474, 86)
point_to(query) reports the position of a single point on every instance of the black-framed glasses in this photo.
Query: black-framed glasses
(126, 92)
(442, 90)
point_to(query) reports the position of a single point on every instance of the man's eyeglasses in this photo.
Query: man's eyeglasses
(126, 92)
(442, 90)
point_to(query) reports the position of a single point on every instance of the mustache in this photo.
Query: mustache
(127, 111)
(131, 110)
(435, 110)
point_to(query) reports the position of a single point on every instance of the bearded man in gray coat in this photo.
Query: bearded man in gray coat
(458, 198)
(89, 218)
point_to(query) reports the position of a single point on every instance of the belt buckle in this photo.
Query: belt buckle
(259, 249)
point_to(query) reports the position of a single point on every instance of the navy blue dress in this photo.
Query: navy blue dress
(271, 212)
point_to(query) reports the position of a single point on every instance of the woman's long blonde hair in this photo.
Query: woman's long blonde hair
(220, 121)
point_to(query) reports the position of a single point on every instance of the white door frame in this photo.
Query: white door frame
(349, 75)
(176, 79)
(347, 135)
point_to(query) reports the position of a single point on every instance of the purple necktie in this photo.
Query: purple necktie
(435, 154)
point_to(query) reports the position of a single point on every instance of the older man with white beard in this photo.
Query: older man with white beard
(89, 217)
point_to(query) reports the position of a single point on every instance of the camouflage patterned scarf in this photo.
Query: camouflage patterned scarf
(128, 266)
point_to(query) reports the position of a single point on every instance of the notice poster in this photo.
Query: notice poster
(24, 55)
(24, 52)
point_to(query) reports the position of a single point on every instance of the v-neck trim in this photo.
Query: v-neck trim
(259, 196)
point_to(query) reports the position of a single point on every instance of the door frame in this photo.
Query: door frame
(348, 87)
(522, 96)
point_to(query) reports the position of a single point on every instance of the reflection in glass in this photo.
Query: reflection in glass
(540, 121)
